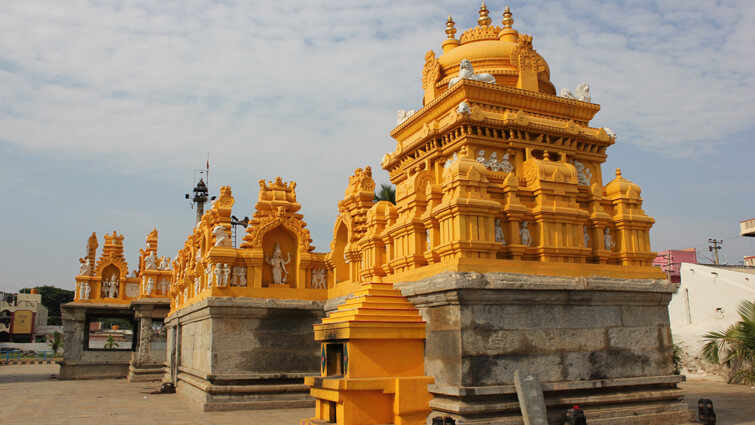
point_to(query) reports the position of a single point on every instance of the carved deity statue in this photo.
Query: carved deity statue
(221, 237)
(280, 274)
(165, 263)
(318, 279)
(583, 93)
(222, 273)
(238, 278)
(85, 268)
(197, 283)
(466, 72)
(505, 164)
(584, 175)
(499, 237)
(608, 240)
(481, 157)
(524, 233)
(492, 163)
(84, 291)
(111, 287)
(586, 236)
(150, 286)
(163, 285)
(150, 261)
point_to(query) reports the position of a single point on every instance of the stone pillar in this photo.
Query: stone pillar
(147, 364)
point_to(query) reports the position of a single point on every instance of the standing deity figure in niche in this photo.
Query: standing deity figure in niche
(481, 157)
(84, 291)
(150, 261)
(165, 263)
(222, 272)
(499, 237)
(221, 237)
(85, 269)
(238, 278)
(586, 236)
(163, 286)
(492, 163)
(197, 282)
(584, 175)
(524, 232)
(505, 165)
(278, 265)
(608, 240)
(150, 286)
(318, 279)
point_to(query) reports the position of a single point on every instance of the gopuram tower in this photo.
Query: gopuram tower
(517, 252)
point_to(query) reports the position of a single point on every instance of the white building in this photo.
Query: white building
(707, 300)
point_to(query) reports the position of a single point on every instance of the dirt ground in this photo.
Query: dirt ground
(31, 395)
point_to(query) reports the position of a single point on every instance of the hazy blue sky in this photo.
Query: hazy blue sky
(108, 107)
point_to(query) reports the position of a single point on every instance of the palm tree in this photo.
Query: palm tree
(56, 342)
(736, 345)
(386, 192)
(110, 344)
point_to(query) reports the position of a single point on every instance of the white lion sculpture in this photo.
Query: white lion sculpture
(466, 72)
(583, 93)
(402, 115)
(221, 237)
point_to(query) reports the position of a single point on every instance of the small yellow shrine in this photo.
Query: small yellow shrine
(275, 260)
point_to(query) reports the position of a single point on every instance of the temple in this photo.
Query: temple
(507, 253)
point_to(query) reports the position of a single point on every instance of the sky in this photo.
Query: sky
(108, 108)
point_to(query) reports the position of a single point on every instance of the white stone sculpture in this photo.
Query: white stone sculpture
(208, 273)
(318, 279)
(583, 93)
(278, 265)
(150, 286)
(586, 236)
(610, 132)
(584, 175)
(238, 278)
(481, 157)
(150, 261)
(111, 287)
(505, 165)
(499, 236)
(524, 233)
(222, 273)
(186, 294)
(85, 268)
(492, 163)
(84, 291)
(198, 257)
(466, 72)
(221, 237)
(197, 283)
(608, 240)
(464, 109)
(165, 263)
(163, 285)
(402, 115)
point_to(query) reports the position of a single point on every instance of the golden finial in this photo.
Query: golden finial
(618, 173)
(484, 18)
(450, 30)
(508, 21)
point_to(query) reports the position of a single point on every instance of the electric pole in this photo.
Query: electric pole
(715, 246)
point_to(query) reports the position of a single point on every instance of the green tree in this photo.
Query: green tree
(110, 344)
(735, 346)
(56, 342)
(386, 192)
(52, 298)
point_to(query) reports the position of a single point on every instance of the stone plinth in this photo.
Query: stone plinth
(79, 362)
(148, 360)
(244, 353)
(602, 343)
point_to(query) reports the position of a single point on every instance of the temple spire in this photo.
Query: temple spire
(484, 19)
(508, 21)
(450, 29)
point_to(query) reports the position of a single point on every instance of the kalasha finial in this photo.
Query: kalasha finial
(618, 172)
(484, 18)
(450, 30)
(508, 21)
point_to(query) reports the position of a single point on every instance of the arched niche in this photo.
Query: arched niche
(107, 274)
(342, 238)
(289, 246)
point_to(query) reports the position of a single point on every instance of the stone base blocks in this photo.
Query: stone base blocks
(602, 343)
(244, 353)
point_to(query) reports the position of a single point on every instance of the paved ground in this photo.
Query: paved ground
(30, 395)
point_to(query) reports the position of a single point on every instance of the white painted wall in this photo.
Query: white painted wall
(707, 300)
